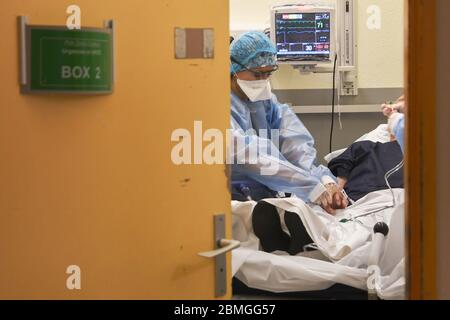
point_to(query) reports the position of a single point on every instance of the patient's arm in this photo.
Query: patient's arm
(342, 181)
(343, 165)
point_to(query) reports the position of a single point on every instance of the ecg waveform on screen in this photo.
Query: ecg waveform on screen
(301, 24)
(296, 36)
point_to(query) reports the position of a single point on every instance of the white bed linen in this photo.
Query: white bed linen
(345, 245)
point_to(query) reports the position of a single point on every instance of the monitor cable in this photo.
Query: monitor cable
(333, 103)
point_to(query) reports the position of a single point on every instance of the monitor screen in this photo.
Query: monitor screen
(303, 36)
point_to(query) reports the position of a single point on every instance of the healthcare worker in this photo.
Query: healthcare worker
(258, 119)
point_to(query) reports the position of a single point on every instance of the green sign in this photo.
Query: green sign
(70, 61)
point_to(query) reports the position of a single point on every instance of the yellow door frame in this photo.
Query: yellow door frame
(420, 75)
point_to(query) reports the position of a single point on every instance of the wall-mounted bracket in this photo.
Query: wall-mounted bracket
(347, 13)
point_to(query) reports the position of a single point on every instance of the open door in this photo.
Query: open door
(91, 204)
(421, 68)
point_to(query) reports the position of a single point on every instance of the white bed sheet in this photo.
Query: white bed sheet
(345, 246)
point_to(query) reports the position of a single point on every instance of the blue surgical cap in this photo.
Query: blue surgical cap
(252, 50)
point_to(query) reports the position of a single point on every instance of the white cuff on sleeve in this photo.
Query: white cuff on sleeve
(327, 180)
(318, 190)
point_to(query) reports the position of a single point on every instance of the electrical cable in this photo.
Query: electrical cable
(389, 174)
(394, 202)
(333, 103)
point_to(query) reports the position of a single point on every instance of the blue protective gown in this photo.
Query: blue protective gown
(398, 131)
(294, 156)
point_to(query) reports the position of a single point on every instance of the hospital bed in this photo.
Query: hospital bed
(350, 254)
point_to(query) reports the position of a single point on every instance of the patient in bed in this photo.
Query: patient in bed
(361, 169)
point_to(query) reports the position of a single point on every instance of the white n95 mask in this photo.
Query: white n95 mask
(257, 90)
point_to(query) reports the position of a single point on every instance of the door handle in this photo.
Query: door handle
(221, 246)
(224, 245)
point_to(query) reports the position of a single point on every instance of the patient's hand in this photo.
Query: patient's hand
(339, 201)
(388, 109)
(326, 202)
(333, 199)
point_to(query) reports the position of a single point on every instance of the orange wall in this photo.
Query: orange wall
(88, 180)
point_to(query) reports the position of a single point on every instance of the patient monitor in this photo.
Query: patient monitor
(309, 38)
(304, 34)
